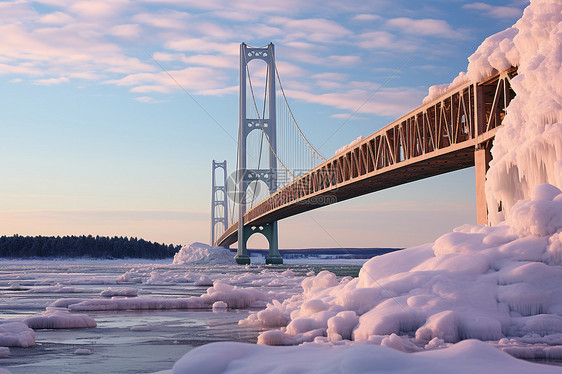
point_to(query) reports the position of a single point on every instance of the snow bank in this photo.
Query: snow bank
(468, 357)
(59, 318)
(16, 334)
(203, 254)
(478, 282)
(124, 291)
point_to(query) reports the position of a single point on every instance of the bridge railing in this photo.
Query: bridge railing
(465, 116)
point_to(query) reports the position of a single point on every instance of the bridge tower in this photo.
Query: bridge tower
(219, 200)
(267, 175)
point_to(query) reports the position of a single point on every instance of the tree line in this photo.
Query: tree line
(83, 246)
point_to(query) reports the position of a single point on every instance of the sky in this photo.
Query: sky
(112, 111)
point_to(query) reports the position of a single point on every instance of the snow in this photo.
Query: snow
(219, 306)
(477, 282)
(527, 149)
(203, 254)
(123, 291)
(59, 318)
(16, 334)
(349, 146)
(456, 305)
(467, 357)
(5, 352)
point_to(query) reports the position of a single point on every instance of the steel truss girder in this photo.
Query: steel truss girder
(445, 130)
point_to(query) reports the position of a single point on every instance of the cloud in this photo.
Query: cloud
(427, 26)
(366, 17)
(192, 78)
(383, 101)
(330, 76)
(345, 116)
(56, 18)
(376, 40)
(148, 100)
(97, 8)
(343, 60)
(312, 29)
(52, 81)
(200, 45)
(129, 31)
(500, 12)
(173, 20)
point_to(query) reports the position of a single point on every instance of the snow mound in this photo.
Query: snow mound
(16, 334)
(477, 282)
(59, 318)
(203, 254)
(466, 357)
(124, 291)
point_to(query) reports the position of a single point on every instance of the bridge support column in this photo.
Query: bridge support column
(266, 123)
(269, 230)
(482, 158)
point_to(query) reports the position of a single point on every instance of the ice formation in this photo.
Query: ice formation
(468, 357)
(203, 254)
(527, 149)
(481, 282)
(16, 334)
(124, 291)
(59, 318)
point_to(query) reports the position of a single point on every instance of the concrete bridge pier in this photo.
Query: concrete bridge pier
(269, 230)
(482, 158)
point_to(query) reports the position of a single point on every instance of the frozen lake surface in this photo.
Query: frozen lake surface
(143, 341)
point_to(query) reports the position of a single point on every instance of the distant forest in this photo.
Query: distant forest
(83, 246)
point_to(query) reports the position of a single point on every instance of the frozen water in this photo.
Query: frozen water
(126, 341)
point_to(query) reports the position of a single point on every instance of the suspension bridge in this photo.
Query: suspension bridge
(452, 132)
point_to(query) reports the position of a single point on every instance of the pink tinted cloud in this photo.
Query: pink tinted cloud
(97, 8)
(191, 78)
(375, 40)
(499, 12)
(366, 17)
(173, 20)
(56, 18)
(427, 26)
(200, 45)
(382, 101)
(127, 31)
(312, 29)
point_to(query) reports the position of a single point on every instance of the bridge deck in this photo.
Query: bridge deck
(435, 138)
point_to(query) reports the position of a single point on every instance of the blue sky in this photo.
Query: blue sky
(98, 139)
